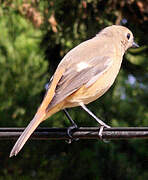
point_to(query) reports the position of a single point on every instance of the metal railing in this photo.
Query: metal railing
(81, 133)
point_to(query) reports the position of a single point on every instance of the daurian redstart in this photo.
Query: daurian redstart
(85, 73)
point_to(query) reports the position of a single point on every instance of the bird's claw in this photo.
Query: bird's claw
(101, 132)
(71, 138)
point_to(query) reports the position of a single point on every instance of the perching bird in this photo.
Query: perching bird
(85, 73)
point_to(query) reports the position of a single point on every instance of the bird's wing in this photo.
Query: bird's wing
(83, 73)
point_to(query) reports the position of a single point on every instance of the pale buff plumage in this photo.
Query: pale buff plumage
(83, 75)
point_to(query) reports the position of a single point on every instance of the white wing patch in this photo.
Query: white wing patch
(82, 65)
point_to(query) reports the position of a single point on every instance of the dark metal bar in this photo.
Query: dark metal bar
(81, 133)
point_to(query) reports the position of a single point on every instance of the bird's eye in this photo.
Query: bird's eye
(128, 36)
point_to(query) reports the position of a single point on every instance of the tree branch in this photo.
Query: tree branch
(81, 133)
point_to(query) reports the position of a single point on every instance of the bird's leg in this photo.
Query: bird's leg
(96, 118)
(73, 126)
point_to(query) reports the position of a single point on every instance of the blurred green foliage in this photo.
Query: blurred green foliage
(34, 36)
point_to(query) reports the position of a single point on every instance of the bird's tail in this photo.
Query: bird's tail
(42, 114)
(38, 118)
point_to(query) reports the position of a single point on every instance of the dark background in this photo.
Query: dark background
(34, 36)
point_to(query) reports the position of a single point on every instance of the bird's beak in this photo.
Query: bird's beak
(135, 45)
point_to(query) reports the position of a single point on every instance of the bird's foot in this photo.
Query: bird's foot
(71, 138)
(101, 132)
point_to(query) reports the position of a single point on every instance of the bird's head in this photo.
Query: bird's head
(122, 35)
